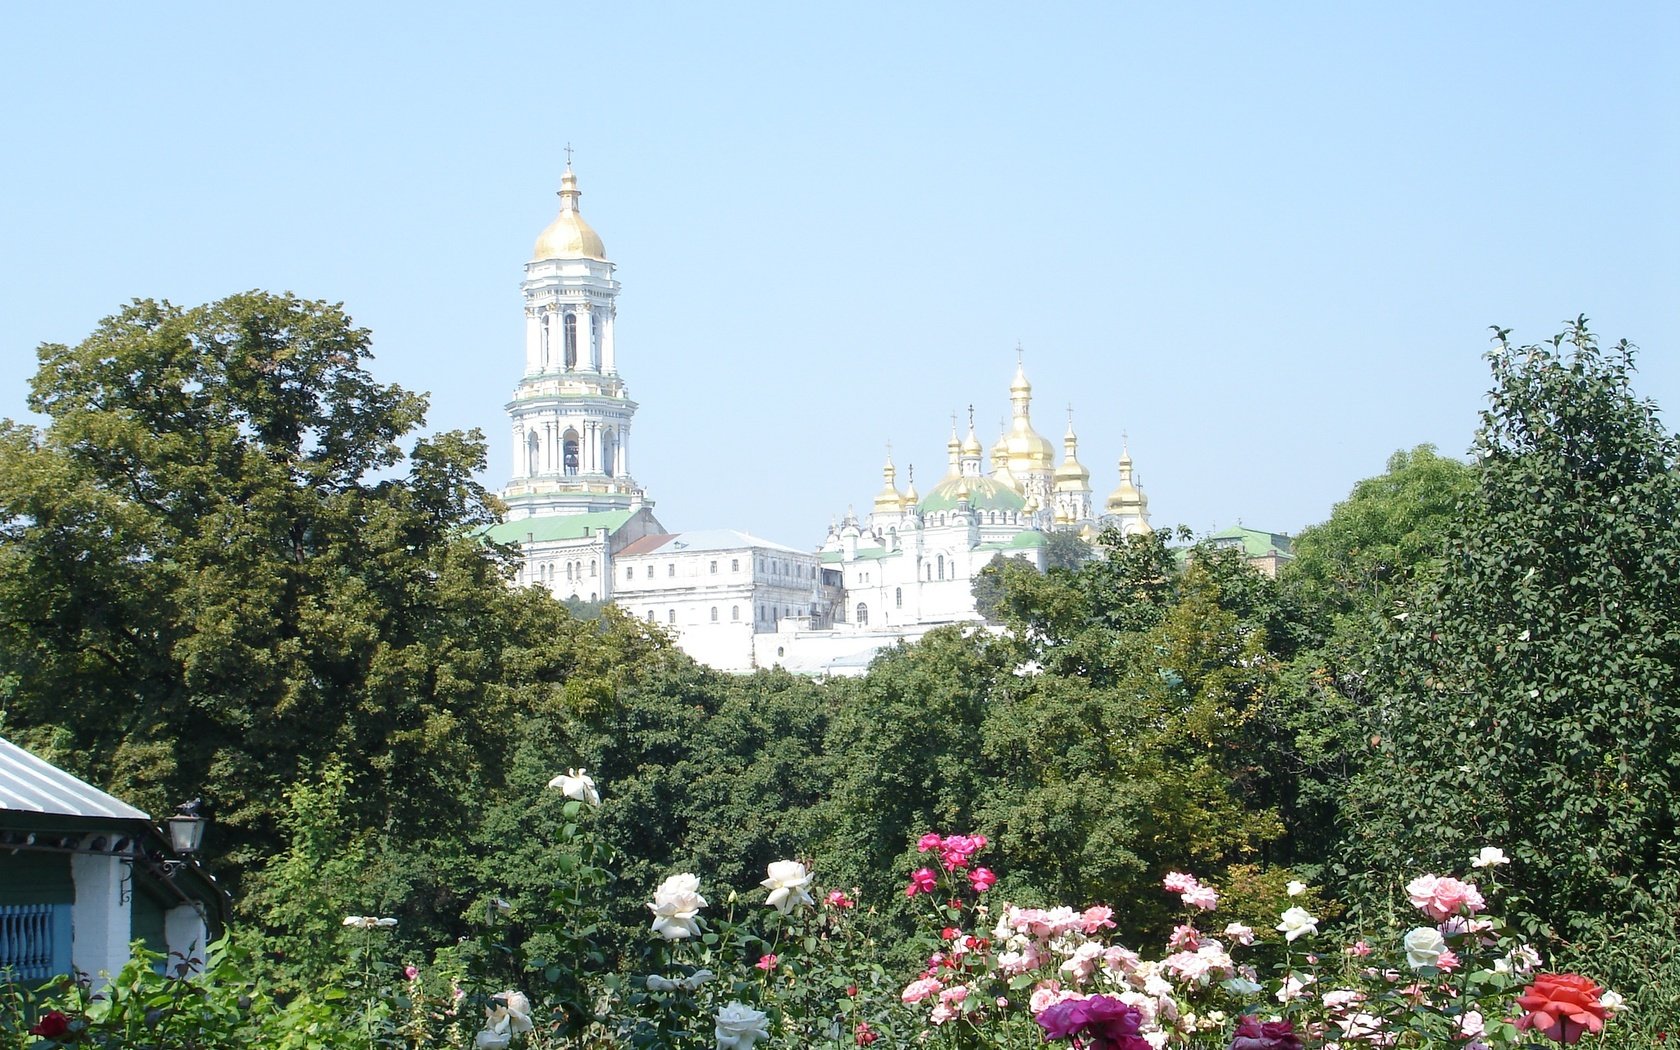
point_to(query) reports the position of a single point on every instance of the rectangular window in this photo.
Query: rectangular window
(734, 564)
(671, 569)
(35, 940)
(714, 568)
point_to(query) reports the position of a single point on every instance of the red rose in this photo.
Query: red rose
(1562, 1006)
(53, 1025)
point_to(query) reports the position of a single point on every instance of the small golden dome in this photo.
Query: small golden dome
(1072, 473)
(568, 236)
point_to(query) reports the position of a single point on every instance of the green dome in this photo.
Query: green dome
(983, 494)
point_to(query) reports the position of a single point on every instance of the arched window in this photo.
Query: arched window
(593, 597)
(592, 568)
(650, 616)
(942, 566)
(734, 613)
(898, 597)
(533, 455)
(542, 326)
(569, 452)
(862, 614)
(568, 570)
(670, 616)
(571, 341)
(609, 452)
(714, 614)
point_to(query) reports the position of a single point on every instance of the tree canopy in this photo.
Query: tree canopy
(1529, 698)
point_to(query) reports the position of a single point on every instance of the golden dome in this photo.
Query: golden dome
(568, 236)
(1127, 498)
(1072, 473)
(1029, 452)
(889, 500)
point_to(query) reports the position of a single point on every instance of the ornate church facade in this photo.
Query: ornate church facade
(585, 529)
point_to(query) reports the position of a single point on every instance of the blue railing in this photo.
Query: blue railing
(34, 940)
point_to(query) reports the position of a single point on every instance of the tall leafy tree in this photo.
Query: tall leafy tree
(219, 571)
(1340, 592)
(1530, 698)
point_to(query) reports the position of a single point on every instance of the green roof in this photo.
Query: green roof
(551, 527)
(1255, 543)
(1027, 540)
(983, 494)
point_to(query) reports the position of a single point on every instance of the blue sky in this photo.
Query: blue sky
(1265, 241)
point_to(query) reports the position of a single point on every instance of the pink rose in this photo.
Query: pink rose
(1441, 896)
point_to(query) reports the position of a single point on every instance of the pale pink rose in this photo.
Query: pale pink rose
(1240, 933)
(1179, 882)
(920, 989)
(1341, 998)
(1202, 897)
(1358, 949)
(1186, 938)
(1096, 919)
(1441, 896)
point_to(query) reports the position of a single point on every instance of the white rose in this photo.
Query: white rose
(656, 983)
(368, 922)
(787, 882)
(1489, 857)
(1297, 888)
(739, 1026)
(1296, 922)
(676, 903)
(577, 784)
(509, 1009)
(1613, 1002)
(1424, 946)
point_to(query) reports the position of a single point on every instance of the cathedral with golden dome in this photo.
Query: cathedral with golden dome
(585, 529)
(911, 564)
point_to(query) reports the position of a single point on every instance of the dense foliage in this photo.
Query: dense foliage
(1531, 692)
(222, 575)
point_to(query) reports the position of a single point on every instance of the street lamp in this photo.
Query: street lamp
(186, 828)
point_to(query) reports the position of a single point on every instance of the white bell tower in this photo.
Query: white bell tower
(571, 413)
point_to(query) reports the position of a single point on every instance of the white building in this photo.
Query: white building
(911, 566)
(718, 588)
(586, 530)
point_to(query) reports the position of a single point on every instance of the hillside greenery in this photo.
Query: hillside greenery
(233, 567)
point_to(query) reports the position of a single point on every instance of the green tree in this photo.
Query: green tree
(219, 570)
(1340, 592)
(1377, 539)
(1530, 698)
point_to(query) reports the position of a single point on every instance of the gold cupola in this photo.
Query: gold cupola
(1071, 475)
(889, 500)
(568, 236)
(953, 451)
(1000, 459)
(1029, 452)
(1127, 500)
(911, 496)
